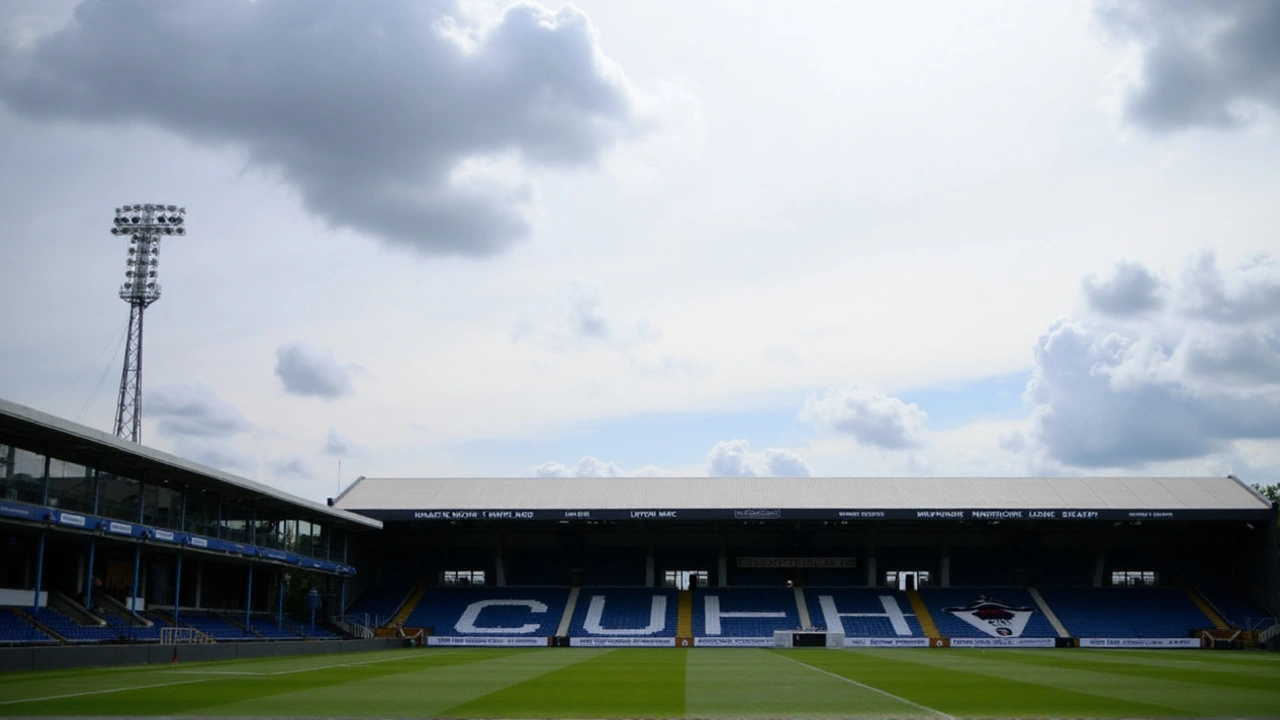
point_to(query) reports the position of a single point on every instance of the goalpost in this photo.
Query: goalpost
(415, 636)
(182, 636)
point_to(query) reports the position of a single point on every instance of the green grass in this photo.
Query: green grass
(697, 683)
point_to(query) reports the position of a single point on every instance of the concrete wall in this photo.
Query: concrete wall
(48, 658)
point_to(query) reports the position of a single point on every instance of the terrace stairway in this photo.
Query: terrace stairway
(684, 620)
(1203, 605)
(35, 622)
(410, 603)
(927, 626)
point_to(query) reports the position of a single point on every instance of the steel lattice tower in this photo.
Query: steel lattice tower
(144, 225)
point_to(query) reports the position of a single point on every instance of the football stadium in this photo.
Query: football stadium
(138, 583)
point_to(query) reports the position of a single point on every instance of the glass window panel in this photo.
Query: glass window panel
(22, 475)
(118, 497)
(1134, 578)
(70, 486)
(237, 522)
(462, 577)
(325, 547)
(162, 506)
(201, 513)
(236, 530)
(307, 538)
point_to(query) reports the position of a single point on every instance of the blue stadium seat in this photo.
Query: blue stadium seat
(1239, 610)
(269, 629)
(625, 612)
(764, 610)
(214, 625)
(515, 612)
(379, 604)
(1125, 612)
(314, 633)
(134, 633)
(73, 631)
(14, 629)
(862, 612)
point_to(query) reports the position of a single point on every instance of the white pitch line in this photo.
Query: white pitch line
(210, 672)
(328, 667)
(102, 692)
(926, 708)
(215, 675)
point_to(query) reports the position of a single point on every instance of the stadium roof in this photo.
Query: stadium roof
(803, 498)
(63, 439)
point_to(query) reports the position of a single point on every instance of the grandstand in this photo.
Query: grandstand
(109, 542)
(907, 562)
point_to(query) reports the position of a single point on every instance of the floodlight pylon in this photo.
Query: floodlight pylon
(144, 225)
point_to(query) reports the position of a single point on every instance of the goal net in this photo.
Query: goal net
(414, 636)
(182, 635)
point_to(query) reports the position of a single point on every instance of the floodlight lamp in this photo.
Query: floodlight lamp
(115, 231)
(176, 221)
(182, 231)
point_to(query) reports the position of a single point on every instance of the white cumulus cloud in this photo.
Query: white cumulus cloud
(585, 467)
(735, 458)
(870, 417)
(304, 370)
(192, 412)
(1200, 64)
(1189, 381)
(411, 121)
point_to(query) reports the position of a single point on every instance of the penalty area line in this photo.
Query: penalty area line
(887, 694)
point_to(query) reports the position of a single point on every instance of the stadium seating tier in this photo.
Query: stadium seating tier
(1125, 612)
(630, 612)
(492, 611)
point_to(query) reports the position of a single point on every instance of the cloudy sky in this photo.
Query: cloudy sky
(668, 238)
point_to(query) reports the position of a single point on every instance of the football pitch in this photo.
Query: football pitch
(663, 683)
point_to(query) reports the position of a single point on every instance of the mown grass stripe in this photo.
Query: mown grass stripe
(613, 683)
(424, 691)
(173, 698)
(1110, 691)
(886, 693)
(960, 685)
(758, 683)
(1235, 678)
(48, 698)
(701, 683)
